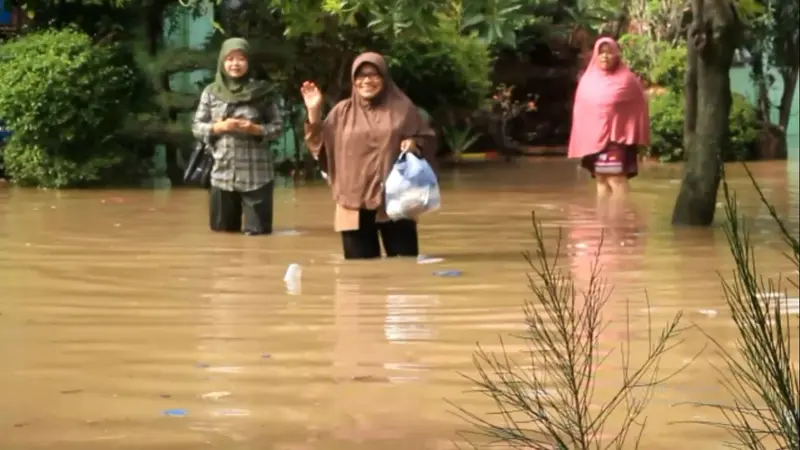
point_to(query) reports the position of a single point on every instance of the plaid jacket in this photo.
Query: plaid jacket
(241, 163)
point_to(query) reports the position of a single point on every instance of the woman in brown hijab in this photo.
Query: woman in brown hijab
(359, 141)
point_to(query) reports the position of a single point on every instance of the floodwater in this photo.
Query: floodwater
(125, 324)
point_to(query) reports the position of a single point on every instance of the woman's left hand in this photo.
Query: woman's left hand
(249, 127)
(409, 145)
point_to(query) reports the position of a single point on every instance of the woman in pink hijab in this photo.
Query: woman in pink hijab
(610, 119)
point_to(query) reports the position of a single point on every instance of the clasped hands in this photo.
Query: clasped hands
(233, 124)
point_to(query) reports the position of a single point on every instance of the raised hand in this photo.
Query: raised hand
(312, 97)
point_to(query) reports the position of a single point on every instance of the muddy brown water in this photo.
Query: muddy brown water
(119, 307)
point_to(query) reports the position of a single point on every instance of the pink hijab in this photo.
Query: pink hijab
(609, 107)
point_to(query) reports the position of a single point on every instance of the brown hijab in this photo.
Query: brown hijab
(362, 139)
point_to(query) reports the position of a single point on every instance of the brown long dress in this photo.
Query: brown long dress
(360, 141)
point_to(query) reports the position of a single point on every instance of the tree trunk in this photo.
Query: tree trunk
(714, 41)
(763, 103)
(789, 77)
(690, 99)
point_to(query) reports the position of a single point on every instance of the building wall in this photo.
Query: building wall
(5, 14)
(740, 82)
(191, 32)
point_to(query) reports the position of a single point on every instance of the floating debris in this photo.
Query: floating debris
(293, 279)
(72, 391)
(708, 312)
(287, 233)
(215, 395)
(424, 259)
(448, 273)
(176, 412)
(231, 413)
(225, 369)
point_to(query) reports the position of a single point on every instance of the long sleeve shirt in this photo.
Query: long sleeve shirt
(242, 163)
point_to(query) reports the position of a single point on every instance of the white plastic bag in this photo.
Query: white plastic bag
(411, 188)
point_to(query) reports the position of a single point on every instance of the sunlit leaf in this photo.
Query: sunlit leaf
(218, 26)
(509, 10)
(473, 20)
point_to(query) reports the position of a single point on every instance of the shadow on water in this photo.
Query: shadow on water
(125, 324)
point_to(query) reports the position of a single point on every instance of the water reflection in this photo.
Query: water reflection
(408, 322)
(407, 318)
(361, 353)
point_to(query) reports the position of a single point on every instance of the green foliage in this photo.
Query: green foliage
(592, 14)
(495, 22)
(460, 140)
(393, 18)
(441, 70)
(666, 127)
(669, 67)
(446, 72)
(64, 99)
(657, 62)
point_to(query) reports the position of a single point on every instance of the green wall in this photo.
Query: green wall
(740, 82)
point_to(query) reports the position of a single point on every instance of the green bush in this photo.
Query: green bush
(65, 100)
(445, 72)
(657, 62)
(666, 127)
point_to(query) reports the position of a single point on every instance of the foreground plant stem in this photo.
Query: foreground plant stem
(760, 375)
(548, 402)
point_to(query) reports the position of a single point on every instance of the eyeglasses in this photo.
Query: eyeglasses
(371, 76)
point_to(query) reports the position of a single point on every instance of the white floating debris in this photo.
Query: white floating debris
(708, 312)
(424, 259)
(231, 413)
(215, 395)
(224, 369)
(293, 279)
(287, 233)
(293, 272)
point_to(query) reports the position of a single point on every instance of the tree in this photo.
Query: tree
(65, 106)
(139, 26)
(712, 38)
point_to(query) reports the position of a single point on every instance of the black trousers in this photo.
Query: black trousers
(399, 238)
(226, 208)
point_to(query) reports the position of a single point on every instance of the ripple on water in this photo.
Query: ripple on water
(119, 306)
